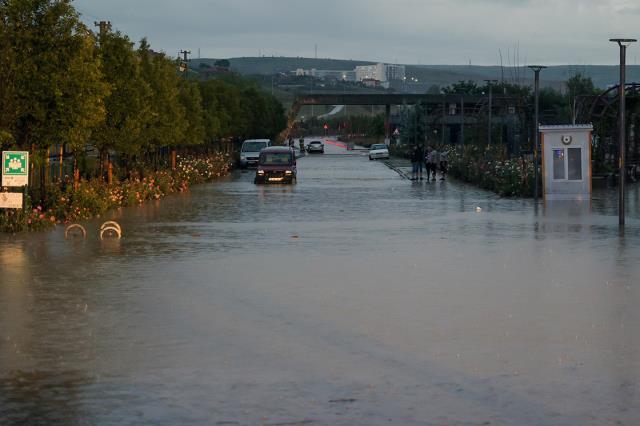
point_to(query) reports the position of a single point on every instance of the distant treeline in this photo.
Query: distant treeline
(61, 84)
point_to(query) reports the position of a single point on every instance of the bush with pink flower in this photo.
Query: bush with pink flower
(91, 198)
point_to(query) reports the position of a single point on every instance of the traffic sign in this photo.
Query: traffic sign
(15, 168)
(10, 200)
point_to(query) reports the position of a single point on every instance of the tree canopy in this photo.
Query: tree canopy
(64, 85)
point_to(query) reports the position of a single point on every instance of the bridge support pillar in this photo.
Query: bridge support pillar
(387, 124)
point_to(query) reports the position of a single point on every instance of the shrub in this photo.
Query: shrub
(92, 198)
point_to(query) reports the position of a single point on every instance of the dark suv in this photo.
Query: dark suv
(277, 164)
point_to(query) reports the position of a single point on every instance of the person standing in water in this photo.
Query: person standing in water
(417, 157)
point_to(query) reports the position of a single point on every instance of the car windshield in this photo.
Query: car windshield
(275, 159)
(378, 147)
(316, 143)
(253, 146)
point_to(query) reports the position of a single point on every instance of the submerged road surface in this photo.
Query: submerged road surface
(352, 298)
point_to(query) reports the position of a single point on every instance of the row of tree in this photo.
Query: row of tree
(61, 84)
(556, 106)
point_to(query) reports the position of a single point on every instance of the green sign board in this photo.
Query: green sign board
(15, 168)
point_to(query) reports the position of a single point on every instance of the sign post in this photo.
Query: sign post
(15, 168)
(11, 200)
(15, 173)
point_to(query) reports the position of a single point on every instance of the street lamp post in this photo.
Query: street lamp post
(536, 69)
(462, 119)
(623, 43)
(489, 83)
(444, 116)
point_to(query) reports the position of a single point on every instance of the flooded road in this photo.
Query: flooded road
(354, 297)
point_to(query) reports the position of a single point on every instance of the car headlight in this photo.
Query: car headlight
(260, 172)
(288, 172)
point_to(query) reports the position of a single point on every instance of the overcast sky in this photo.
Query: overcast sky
(405, 31)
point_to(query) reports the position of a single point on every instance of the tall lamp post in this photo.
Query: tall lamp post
(536, 69)
(489, 83)
(623, 43)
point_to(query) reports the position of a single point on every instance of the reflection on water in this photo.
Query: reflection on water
(352, 295)
(31, 397)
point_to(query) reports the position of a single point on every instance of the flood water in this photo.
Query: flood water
(354, 297)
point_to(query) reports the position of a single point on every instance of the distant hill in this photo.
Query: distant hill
(603, 76)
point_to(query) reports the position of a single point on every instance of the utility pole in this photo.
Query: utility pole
(536, 141)
(105, 26)
(462, 119)
(489, 83)
(623, 43)
(444, 115)
(184, 67)
(184, 64)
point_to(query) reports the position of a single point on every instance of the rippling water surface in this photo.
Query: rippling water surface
(354, 297)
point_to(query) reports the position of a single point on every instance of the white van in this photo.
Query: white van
(250, 152)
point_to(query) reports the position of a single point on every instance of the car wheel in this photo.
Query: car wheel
(370, 158)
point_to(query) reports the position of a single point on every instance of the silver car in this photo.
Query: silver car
(378, 151)
(250, 152)
(315, 146)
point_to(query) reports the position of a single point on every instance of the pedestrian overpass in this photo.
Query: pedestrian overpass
(448, 111)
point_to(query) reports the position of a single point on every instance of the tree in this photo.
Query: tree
(167, 123)
(58, 88)
(414, 128)
(191, 100)
(463, 88)
(127, 106)
(578, 85)
(434, 89)
(7, 82)
(222, 63)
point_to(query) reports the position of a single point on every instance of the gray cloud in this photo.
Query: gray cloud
(408, 31)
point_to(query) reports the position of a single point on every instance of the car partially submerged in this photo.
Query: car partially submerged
(378, 151)
(276, 164)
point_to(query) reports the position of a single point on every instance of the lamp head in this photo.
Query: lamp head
(537, 68)
(623, 41)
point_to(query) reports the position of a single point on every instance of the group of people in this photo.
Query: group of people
(432, 160)
(292, 143)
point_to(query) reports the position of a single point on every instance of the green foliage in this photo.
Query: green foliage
(414, 127)
(491, 169)
(222, 63)
(234, 107)
(55, 79)
(62, 85)
(127, 106)
(191, 99)
(167, 122)
(463, 88)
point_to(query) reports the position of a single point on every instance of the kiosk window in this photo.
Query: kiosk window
(558, 164)
(574, 161)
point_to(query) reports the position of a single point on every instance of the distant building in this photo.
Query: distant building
(370, 82)
(381, 72)
(327, 74)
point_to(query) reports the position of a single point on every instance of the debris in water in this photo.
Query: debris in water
(478, 209)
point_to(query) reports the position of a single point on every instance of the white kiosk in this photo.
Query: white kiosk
(566, 161)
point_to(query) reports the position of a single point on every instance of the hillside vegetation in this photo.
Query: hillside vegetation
(603, 76)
